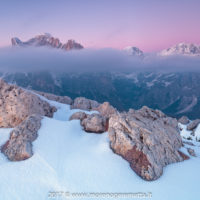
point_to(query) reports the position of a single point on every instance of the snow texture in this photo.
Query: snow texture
(67, 159)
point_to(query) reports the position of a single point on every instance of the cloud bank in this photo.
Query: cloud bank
(16, 59)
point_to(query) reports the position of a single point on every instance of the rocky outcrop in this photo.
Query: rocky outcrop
(147, 139)
(17, 104)
(84, 104)
(184, 120)
(106, 110)
(192, 125)
(53, 97)
(19, 145)
(48, 41)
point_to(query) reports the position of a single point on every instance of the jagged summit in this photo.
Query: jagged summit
(182, 49)
(133, 51)
(47, 40)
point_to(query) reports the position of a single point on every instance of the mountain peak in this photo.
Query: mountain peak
(48, 40)
(133, 51)
(182, 49)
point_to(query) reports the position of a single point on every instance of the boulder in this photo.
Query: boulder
(184, 120)
(106, 110)
(78, 115)
(94, 123)
(53, 97)
(147, 139)
(84, 104)
(19, 145)
(16, 104)
(192, 125)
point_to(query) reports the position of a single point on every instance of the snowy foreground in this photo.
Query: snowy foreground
(68, 160)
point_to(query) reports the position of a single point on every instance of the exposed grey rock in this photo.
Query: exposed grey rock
(106, 109)
(61, 99)
(184, 120)
(192, 125)
(147, 139)
(78, 115)
(94, 123)
(191, 152)
(17, 104)
(84, 104)
(19, 145)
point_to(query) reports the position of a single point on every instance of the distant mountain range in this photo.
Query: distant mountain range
(48, 41)
(176, 94)
(178, 49)
(182, 49)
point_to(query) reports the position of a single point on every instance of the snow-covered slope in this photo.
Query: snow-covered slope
(68, 160)
(133, 51)
(182, 49)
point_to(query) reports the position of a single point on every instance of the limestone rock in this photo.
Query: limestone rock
(16, 104)
(192, 125)
(94, 123)
(147, 139)
(106, 109)
(53, 97)
(84, 104)
(19, 145)
(184, 120)
(78, 115)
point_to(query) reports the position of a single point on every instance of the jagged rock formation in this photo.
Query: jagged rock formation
(53, 97)
(48, 41)
(19, 145)
(17, 104)
(147, 139)
(84, 104)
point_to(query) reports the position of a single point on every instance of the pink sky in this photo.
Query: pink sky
(149, 25)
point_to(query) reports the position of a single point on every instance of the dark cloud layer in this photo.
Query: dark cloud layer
(88, 60)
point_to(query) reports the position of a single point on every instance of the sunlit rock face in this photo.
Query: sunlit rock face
(16, 104)
(147, 139)
(47, 40)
